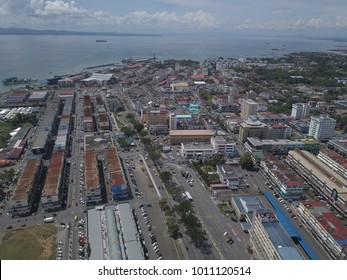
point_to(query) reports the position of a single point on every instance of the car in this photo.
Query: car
(60, 242)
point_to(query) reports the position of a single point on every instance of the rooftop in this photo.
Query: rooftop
(191, 132)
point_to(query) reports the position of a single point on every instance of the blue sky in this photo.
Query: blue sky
(268, 17)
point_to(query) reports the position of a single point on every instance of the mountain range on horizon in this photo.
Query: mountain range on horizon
(27, 31)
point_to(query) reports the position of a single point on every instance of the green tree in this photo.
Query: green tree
(246, 162)
(146, 141)
(173, 227)
(127, 131)
(138, 127)
(165, 176)
(130, 116)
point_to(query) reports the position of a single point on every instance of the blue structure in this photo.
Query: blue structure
(120, 192)
(289, 227)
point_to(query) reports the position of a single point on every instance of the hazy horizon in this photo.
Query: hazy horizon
(236, 17)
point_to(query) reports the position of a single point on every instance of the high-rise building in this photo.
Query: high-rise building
(252, 129)
(300, 110)
(248, 107)
(172, 121)
(322, 128)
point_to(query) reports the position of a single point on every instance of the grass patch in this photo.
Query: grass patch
(30, 243)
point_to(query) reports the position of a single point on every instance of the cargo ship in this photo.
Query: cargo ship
(100, 41)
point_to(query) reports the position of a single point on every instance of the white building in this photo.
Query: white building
(322, 128)
(300, 110)
(191, 150)
(248, 107)
(223, 147)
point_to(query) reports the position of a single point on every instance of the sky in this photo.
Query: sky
(267, 17)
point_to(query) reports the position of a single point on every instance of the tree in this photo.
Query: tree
(127, 131)
(146, 141)
(246, 162)
(165, 176)
(130, 116)
(138, 126)
(173, 228)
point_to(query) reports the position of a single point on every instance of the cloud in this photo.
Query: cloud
(197, 19)
(301, 23)
(66, 14)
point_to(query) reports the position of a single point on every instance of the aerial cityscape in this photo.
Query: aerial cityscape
(172, 158)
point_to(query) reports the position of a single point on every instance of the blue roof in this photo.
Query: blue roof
(289, 227)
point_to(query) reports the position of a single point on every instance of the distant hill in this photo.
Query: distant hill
(25, 31)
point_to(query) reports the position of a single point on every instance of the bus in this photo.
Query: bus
(48, 220)
(188, 195)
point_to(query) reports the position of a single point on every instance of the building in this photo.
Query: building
(322, 128)
(113, 234)
(245, 206)
(269, 238)
(172, 121)
(38, 96)
(99, 79)
(22, 200)
(339, 145)
(231, 175)
(119, 187)
(179, 87)
(178, 121)
(176, 137)
(18, 96)
(196, 150)
(322, 178)
(300, 110)
(252, 129)
(248, 107)
(51, 197)
(269, 118)
(221, 146)
(155, 121)
(92, 187)
(281, 147)
(325, 227)
(279, 131)
(281, 177)
(334, 160)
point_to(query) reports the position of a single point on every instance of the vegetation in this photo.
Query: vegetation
(188, 62)
(190, 221)
(207, 168)
(19, 120)
(246, 162)
(165, 176)
(29, 243)
(7, 177)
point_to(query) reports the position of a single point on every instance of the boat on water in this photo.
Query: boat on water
(101, 41)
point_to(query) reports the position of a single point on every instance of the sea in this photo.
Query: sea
(44, 56)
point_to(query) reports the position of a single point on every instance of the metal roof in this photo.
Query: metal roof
(91, 170)
(289, 227)
(26, 180)
(95, 235)
(54, 174)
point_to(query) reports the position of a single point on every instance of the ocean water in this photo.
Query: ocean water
(43, 56)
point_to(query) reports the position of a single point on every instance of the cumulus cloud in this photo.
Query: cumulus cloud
(303, 24)
(67, 14)
(197, 19)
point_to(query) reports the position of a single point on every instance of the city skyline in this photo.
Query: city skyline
(310, 18)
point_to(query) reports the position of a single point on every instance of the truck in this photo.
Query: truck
(48, 220)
